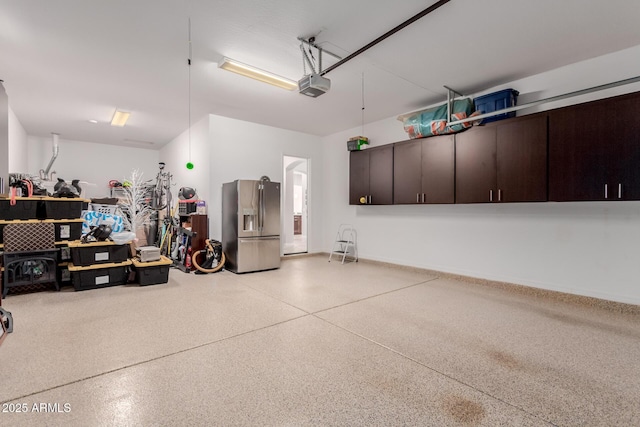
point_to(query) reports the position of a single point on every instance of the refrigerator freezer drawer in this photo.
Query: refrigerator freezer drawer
(257, 253)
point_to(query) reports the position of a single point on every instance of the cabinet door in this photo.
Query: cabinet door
(580, 151)
(381, 175)
(626, 184)
(522, 159)
(407, 172)
(358, 176)
(476, 165)
(438, 169)
(200, 226)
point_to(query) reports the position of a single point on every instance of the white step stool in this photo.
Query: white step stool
(345, 243)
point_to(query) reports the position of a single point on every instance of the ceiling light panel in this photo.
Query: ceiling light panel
(257, 74)
(120, 118)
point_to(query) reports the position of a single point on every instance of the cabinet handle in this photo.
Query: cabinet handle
(370, 199)
(363, 200)
(417, 197)
(619, 191)
(491, 195)
(499, 195)
(423, 198)
(606, 191)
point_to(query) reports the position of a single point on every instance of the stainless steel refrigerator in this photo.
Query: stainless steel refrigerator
(251, 225)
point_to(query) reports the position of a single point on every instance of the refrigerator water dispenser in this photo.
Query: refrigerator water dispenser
(250, 219)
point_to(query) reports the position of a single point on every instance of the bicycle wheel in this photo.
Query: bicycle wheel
(206, 265)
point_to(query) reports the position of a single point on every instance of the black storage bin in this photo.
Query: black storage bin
(85, 254)
(53, 208)
(67, 229)
(64, 229)
(65, 252)
(152, 273)
(64, 275)
(99, 276)
(25, 208)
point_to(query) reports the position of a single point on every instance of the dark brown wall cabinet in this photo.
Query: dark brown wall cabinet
(503, 161)
(587, 152)
(371, 176)
(423, 171)
(594, 150)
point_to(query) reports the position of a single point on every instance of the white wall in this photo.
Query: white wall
(243, 150)
(175, 155)
(583, 248)
(17, 145)
(91, 162)
(226, 149)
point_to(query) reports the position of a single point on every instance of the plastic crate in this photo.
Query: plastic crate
(497, 101)
(62, 208)
(106, 209)
(99, 276)
(25, 208)
(87, 254)
(152, 273)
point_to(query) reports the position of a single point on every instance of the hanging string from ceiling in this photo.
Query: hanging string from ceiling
(189, 163)
(358, 142)
(362, 129)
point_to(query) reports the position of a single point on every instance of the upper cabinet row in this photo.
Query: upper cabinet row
(583, 152)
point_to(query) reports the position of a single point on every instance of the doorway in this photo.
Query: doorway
(295, 213)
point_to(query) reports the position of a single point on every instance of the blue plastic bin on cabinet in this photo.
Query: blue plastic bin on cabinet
(497, 101)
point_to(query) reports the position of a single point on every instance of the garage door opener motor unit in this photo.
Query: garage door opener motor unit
(312, 84)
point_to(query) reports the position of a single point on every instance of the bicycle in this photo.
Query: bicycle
(213, 257)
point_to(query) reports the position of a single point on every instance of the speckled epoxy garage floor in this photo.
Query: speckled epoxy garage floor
(317, 343)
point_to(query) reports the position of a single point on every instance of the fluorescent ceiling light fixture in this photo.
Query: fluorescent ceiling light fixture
(120, 118)
(257, 74)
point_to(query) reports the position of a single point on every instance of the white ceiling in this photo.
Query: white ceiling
(64, 62)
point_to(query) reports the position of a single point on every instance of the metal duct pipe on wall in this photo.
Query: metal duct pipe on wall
(44, 174)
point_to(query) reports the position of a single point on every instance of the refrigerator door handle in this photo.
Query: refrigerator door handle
(261, 210)
(257, 239)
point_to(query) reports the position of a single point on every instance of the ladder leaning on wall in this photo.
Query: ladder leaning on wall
(345, 243)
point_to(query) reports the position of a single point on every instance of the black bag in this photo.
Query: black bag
(99, 233)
